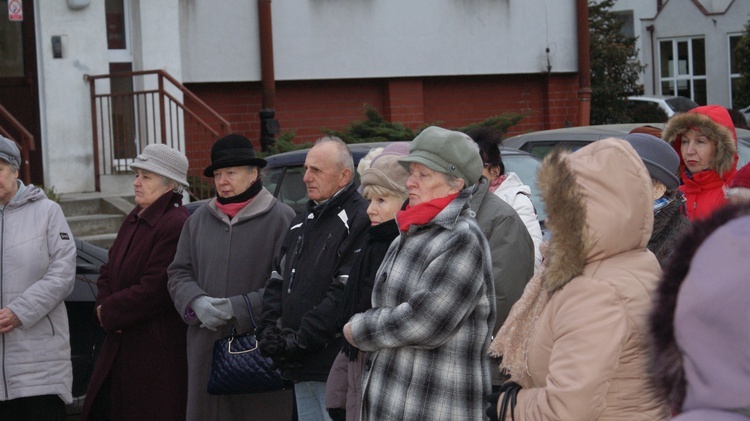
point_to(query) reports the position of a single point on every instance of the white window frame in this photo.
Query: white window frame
(124, 55)
(677, 77)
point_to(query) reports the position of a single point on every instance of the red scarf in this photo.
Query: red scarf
(231, 209)
(423, 212)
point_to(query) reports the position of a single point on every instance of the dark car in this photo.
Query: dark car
(86, 336)
(284, 172)
(542, 142)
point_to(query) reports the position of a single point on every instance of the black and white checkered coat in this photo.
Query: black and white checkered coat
(428, 333)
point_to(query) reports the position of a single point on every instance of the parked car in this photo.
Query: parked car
(284, 172)
(669, 104)
(86, 336)
(542, 142)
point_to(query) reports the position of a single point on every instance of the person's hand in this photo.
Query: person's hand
(269, 341)
(99, 313)
(348, 333)
(8, 320)
(212, 311)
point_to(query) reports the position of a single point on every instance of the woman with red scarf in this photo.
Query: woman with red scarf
(433, 297)
(706, 141)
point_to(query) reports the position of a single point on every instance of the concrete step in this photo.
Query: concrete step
(85, 225)
(82, 205)
(100, 240)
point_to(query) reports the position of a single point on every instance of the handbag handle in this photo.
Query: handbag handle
(250, 310)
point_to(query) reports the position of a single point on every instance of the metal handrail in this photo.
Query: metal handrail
(27, 142)
(142, 119)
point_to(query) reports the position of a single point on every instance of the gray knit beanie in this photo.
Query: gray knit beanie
(163, 160)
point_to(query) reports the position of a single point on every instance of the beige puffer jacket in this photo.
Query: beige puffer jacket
(587, 355)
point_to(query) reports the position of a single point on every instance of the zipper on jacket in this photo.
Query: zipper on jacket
(2, 282)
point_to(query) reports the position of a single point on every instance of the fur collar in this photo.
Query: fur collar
(715, 123)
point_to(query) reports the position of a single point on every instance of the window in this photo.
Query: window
(11, 45)
(682, 71)
(118, 30)
(734, 72)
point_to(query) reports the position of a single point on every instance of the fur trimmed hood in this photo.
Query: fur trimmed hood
(599, 204)
(717, 367)
(716, 124)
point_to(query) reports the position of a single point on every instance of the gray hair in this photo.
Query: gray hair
(344, 158)
(176, 187)
(452, 181)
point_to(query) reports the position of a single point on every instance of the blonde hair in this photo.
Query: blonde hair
(373, 189)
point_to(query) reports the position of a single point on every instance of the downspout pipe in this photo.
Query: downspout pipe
(650, 30)
(584, 64)
(269, 126)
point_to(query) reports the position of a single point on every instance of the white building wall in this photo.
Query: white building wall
(369, 39)
(682, 19)
(641, 9)
(64, 102)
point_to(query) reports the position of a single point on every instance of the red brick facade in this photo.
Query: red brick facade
(308, 107)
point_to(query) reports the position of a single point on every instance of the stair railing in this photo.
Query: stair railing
(26, 145)
(126, 120)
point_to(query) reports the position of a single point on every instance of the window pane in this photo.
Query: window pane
(683, 89)
(666, 59)
(732, 62)
(701, 97)
(683, 67)
(667, 87)
(735, 80)
(115, 11)
(11, 44)
(699, 57)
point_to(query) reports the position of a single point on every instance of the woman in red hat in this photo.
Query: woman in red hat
(706, 141)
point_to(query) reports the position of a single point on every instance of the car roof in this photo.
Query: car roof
(297, 157)
(580, 133)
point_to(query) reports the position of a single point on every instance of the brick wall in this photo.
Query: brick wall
(308, 107)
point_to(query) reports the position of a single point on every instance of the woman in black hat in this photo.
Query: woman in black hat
(227, 249)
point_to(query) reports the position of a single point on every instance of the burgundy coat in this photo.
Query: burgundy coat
(144, 351)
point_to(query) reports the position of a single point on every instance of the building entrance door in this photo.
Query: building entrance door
(18, 76)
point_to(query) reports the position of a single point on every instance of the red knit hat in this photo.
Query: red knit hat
(741, 177)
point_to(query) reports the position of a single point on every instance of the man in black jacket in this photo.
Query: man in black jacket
(301, 299)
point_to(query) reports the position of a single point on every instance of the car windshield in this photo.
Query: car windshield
(681, 104)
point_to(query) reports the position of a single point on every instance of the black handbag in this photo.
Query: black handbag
(238, 366)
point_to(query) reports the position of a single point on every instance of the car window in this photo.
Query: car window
(526, 168)
(291, 188)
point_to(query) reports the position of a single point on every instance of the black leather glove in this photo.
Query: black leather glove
(495, 397)
(337, 414)
(291, 348)
(269, 341)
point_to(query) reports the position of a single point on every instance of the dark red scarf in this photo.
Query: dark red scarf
(423, 212)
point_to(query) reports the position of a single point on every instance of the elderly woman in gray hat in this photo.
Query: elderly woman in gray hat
(141, 372)
(37, 272)
(433, 298)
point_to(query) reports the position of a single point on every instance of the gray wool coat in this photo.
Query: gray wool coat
(220, 257)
